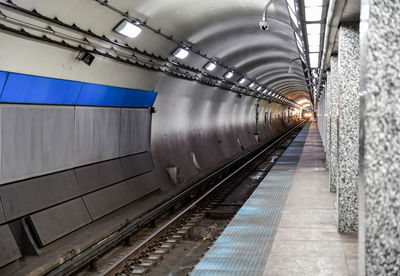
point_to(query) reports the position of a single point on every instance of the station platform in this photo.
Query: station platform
(288, 226)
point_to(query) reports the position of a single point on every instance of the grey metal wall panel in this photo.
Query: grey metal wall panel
(96, 176)
(31, 195)
(136, 164)
(143, 184)
(35, 140)
(9, 250)
(96, 134)
(105, 201)
(135, 131)
(2, 215)
(60, 220)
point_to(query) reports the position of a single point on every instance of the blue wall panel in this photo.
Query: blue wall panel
(136, 98)
(100, 95)
(3, 78)
(38, 90)
(27, 89)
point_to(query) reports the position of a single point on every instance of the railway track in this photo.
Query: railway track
(142, 244)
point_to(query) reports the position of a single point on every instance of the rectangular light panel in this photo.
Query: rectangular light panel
(314, 28)
(228, 75)
(210, 66)
(313, 3)
(314, 40)
(313, 13)
(242, 80)
(128, 29)
(181, 53)
(314, 60)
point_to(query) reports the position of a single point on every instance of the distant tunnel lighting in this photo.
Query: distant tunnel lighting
(269, 93)
(313, 13)
(251, 84)
(181, 53)
(242, 80)
(210, 66)
(314, 28)
(314, 60)
(312, 3)
(259, 88)
(265, 90)
(303, 102)
(228, 75)
(128, 29)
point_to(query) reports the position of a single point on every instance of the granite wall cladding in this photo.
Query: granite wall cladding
(381, 131)
(333, 155)
(348, 128)
(322, 118)
(328, 118)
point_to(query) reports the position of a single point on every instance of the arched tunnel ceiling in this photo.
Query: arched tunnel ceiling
(224, 30)
(228, 31)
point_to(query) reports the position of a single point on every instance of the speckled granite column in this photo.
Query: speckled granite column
(348, 128)
(328, 118)
(380, 137)
(333, 154)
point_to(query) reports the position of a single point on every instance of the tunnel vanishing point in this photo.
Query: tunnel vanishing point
(125, 123)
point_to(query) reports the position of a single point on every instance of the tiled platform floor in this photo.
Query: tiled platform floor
(288, 225)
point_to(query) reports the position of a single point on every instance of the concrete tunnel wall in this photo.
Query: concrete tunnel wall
(213, 124)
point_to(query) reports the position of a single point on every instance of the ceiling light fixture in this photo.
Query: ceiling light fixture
(228, 74)
(181, 53)
(242, 80)
(251, 84)
(210, 66)
(259, 88)
(128, 29)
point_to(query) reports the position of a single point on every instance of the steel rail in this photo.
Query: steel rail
(92, 253)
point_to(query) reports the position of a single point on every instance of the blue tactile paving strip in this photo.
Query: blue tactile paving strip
(244, 245)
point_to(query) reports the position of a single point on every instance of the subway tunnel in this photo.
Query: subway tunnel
(116, 116)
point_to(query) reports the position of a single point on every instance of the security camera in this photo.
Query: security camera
(263, 26)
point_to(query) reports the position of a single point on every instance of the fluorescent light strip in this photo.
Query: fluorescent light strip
(242, 80)
(291, 4)
(181, 53)
(251, 84)
(259, 88)
(128, 29)
(294, 18)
